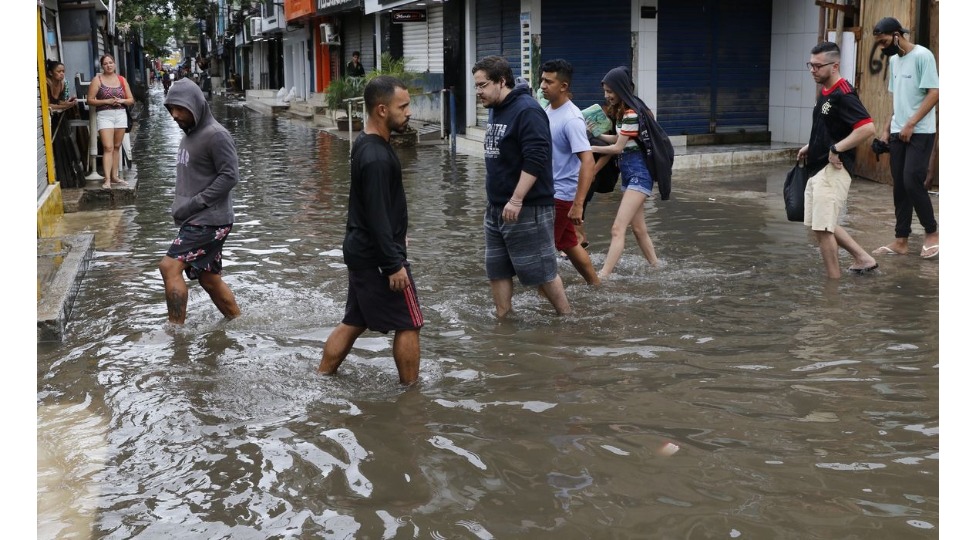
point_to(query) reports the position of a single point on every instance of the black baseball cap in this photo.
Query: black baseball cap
(889, 25)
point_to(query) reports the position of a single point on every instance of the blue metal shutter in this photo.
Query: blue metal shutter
(498, 30)
(713, 65)
(684, 66)
(743, 65)
(593, 39)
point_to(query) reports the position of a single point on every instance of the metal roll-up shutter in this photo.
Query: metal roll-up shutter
(416, 45)
(498, 34)
(351, 36)
(435, 38)
(684, 66)
(593, 40)
(743, 66)
(498, 30)
(41, 147)
(713, 66)
(368, 42)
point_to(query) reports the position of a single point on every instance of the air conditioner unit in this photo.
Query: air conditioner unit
(328, 35)
(252, 29)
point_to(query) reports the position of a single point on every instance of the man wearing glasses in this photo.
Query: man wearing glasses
(840, 124)
(911, 131)
(518, 222)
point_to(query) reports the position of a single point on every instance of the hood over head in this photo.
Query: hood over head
(185, 93)
(618, 79)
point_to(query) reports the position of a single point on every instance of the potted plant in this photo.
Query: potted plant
(337, 93)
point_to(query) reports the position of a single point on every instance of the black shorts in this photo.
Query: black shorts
(200, 248)
(371, 304)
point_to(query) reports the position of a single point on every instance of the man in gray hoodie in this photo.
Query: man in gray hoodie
(207, 170)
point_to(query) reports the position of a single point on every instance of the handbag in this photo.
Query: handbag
(793, 188)
(606, 178)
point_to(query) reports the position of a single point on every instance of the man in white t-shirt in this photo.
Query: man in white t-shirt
(572, 164)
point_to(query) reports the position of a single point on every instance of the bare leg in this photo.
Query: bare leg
(861, 259)
(639, 225)
(337, 346)
(581, 261)
(107, 140)
(629, 204)
(406, 354)
(553, 290)
(221, 294)
(117, 155)
(502, 290)
(175, 289)
(829, 252)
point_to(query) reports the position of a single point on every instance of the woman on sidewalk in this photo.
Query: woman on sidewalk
(636, 181)
(111, 95)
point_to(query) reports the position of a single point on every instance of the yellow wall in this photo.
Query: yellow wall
(49, 211)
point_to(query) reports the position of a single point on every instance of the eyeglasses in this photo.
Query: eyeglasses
(482, 86)
(818, 67)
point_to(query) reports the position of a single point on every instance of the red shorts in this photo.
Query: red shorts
(564, 233)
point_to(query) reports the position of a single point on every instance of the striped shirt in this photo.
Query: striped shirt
(629, 126)
(110, 92)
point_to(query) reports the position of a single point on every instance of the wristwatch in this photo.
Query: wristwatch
(833, 148)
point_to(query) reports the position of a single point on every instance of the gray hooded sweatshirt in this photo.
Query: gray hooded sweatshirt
(207, 167)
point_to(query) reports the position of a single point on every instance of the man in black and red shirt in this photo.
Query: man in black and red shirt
(840, 124)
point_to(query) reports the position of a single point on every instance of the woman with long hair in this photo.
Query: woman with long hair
(66, 157)
(636, 181)
(110, 94)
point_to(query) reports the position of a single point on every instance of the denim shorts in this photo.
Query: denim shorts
(522, 248)
(112, 119)
(634, 173)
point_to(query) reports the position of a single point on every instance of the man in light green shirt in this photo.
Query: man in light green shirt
(911, 132)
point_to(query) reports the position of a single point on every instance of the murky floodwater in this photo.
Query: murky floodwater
(801, 409)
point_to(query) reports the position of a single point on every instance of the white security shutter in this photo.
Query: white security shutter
(416, 46)
(435, 35)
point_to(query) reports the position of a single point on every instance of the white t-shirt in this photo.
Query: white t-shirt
(568, 130)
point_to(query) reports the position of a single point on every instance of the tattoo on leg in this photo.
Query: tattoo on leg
(177, 306)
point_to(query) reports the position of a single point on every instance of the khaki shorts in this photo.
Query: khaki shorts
(825, 198)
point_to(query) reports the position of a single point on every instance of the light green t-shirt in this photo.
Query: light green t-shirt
(910, 77)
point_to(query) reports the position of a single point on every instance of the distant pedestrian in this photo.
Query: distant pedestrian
(911, 131)
(840, 124)
(381, 294)
(207, 171)
(518, 223)
(354, 67)
(636, 180)
(572, 164)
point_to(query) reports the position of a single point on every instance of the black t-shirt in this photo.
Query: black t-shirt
(377, 212)
(839, 111)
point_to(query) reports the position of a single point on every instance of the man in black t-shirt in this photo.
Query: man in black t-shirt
(840, 124)
(381, 294)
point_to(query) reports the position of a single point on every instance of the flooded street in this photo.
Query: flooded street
(800, 408)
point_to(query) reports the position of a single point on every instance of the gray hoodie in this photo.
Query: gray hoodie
(207, 166)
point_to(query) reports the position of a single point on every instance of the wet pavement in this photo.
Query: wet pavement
(732, 392)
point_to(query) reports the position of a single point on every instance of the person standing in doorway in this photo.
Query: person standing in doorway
(840, 124)
(911, 131)
(636, 181)
(381, 294)
(355, 68)
(572, 164)
(518, 222)
(207, 171)
(110, 93)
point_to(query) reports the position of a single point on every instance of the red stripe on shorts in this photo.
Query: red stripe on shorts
(415, 314)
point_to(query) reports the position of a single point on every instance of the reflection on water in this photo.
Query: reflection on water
(801, 409)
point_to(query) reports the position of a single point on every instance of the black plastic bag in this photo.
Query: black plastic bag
(793, 188)
(607, 177)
